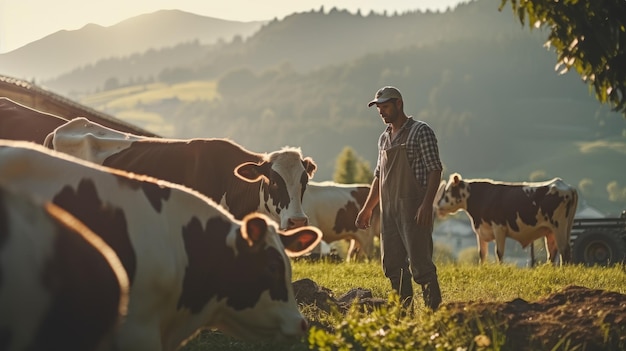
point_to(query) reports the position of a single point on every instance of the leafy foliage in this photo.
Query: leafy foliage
(589, 36)
(382, 329)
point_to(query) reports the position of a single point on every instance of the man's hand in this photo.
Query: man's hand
(424, 216)
(363, 219)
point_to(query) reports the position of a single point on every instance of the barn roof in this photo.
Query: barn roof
(33, 96)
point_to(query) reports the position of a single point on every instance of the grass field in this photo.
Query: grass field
(134, 104)
(145, 94)
(491, 282)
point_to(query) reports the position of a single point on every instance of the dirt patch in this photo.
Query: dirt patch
(308, 292)
(576, 314)
(573, 316)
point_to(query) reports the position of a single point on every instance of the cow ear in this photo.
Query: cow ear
(300, 241)
(310, 166)
(252, 172)
(254, 230)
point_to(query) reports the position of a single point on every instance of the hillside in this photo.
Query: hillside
(305, 41)
(485, 84)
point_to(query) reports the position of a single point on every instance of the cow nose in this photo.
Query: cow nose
(297, 222)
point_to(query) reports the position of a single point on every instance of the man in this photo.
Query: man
(407, 175)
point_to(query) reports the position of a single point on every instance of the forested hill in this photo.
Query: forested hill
(303, 41)
(486, 85)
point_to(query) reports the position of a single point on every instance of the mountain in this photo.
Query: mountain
(65, 50)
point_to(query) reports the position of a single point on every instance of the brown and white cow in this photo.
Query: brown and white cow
(333, 207)
(190, 263)
(240, 180)
(522, 211)
(18, 122)
(61, 286)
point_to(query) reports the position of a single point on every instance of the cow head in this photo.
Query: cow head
(452, 196)
(88, 140)
(285, 175)
(255, 299)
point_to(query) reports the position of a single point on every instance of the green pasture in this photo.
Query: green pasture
(135, 104)
(131, 97)
(489, 282)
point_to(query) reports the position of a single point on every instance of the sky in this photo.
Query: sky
(24, 21)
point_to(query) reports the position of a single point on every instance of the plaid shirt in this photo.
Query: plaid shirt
(421, 148)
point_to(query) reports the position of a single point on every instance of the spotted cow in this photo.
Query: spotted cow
(522, 211)
(190, 263)
(61, 286)
(18, 122)
(240, 180)
(333, 207)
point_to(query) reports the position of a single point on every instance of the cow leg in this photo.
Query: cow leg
(500, 244)
(353, 251)
(562, 244)
(499, 251)
(566, 252)
(551, 248)
(364, 244)
(482, 249)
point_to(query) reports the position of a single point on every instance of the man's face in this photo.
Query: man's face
(388, 110)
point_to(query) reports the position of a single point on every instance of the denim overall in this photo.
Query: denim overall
(405, 243)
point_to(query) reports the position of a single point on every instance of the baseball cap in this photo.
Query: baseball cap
(385, 93)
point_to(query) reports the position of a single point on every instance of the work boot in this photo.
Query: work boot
(432, 295)
(407, 301)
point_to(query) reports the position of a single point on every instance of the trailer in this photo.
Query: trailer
(599, 241)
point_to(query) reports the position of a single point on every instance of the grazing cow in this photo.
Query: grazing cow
(333, 207)
(18, 122)
(521, 211)
(217, 168)
(61, 286)
(190, 263)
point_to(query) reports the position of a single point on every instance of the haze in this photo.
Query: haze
(24, 21)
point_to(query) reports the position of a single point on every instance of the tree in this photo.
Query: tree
(350, 168)
(588, 36)
(364, 172)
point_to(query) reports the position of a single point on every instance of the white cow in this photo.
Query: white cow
(190, 263)
(242, 181)
(61, 286)
(522, 211)
(332, 207)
